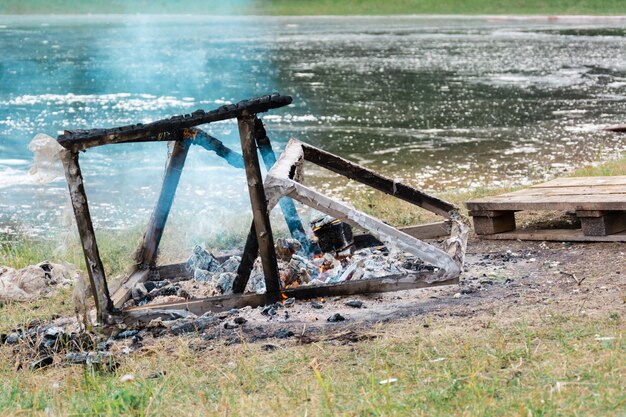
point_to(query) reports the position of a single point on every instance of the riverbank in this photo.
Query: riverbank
(545, 338)
(320, 7)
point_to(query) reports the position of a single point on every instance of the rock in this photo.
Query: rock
(269, 347)
(42, 363)
(96, 360)
(283, 334)
(229, 326)
(289, 302)
(316, 305)
(335, 318)
(240, 320)
(204, 321)
(354, 303)
(201, 259)
(202, 276)
(225, 282)
(139, 291)
(183, 326)
(457, 295)
(231, 264)
(268, 310)
(127, 334)
(183, 293)
(467, 290)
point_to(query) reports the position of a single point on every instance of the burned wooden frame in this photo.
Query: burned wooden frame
(281, 182)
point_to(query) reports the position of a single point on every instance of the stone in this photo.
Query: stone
(42, 363)
(283, 334)
(335, 318)
(231, 264)
(201, 259)
(127, 334)
(289, 302)
(205, 321)
(316, 305)
(354, 303)
(240, 320)
(139, 291)
(183, 326)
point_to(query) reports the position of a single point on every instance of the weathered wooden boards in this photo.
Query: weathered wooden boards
(226, 302)
(87, 234)
(599, 203)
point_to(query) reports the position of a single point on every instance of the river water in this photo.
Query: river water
(442, 103)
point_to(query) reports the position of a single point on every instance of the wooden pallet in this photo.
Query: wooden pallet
(599, 203)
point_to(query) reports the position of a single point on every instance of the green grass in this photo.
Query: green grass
(544, 367)
(319, 7)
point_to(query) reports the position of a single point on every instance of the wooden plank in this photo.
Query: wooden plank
(567, 191)
(582, 182)
(603, 225)
(225, 303)
(165, 130)
(122, 294)
(93, 261)
(489, 225)
(147, 253)
(428, 230)
(590, 213)
(258, 201)
(488, 213)
(557, 235)
(368, 177)
(609, 202)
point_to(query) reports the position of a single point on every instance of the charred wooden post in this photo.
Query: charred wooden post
(286, 204)
(250, 253)
(258, 201)
(87, 235)
(386, 185)
(147, 253)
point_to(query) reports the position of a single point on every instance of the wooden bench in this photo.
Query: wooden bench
(599, 203)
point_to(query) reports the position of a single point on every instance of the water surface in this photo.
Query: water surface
(442, 103)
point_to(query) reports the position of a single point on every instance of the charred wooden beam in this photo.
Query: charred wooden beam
(616, 128)
(208, 142)
(165, 130)
(258, 201)
(250, 253)
(147, 253)
(286, 204)
(87, 235)
(368, 177)
(278, 183)
(227, 302)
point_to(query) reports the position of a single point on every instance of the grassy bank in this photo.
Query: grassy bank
(543, 359)
(550, 366)
(319, 7)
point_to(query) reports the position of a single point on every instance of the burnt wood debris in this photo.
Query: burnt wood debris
(281, 187)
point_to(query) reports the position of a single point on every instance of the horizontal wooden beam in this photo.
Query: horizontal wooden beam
(226, 302)
(386, 185)
(165, 130)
